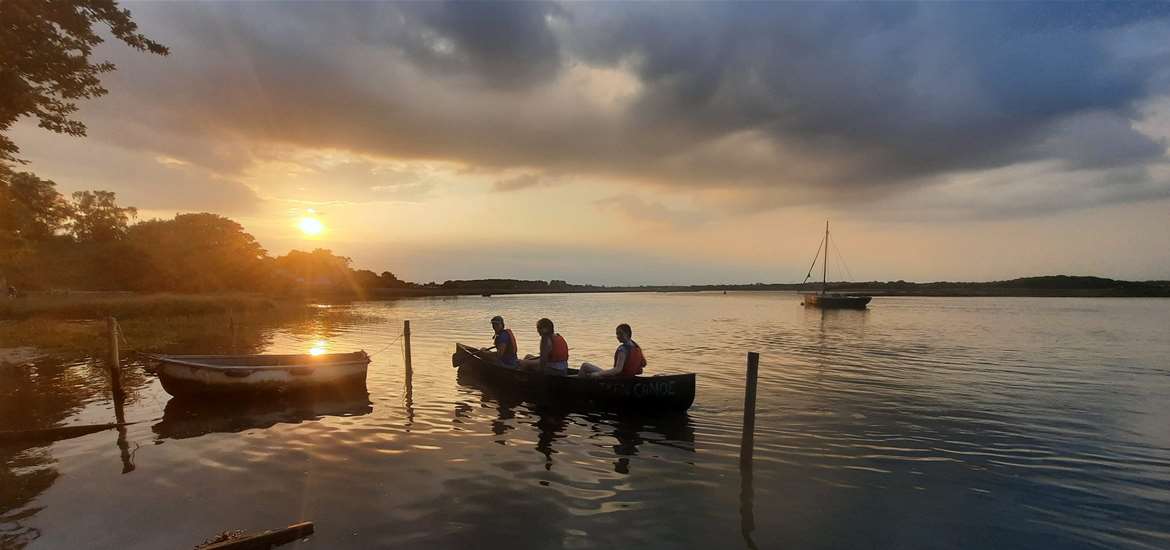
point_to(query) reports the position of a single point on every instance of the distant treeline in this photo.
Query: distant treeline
(90, 243)
(1050, 285)
(1056, 285)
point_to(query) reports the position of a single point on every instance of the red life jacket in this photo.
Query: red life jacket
(560, 349)
(635, 361)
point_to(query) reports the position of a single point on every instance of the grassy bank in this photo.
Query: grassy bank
(128, 305)
(207, 332)
(74, 323)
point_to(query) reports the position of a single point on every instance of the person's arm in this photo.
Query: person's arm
(619, 363)
(545, 351)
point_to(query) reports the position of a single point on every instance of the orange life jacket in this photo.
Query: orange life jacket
(560, 349)
(635, 361)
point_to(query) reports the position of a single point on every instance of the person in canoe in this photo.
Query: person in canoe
(628, 360)
(505, 343)
(554, 351)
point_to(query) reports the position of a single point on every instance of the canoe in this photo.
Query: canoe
(661, 393)
(836, 301)
(211, 375)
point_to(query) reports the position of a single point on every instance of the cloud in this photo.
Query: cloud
(771, 104)
(148, 182)
(511, 181)
(640, 211)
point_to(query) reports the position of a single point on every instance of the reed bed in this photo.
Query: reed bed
(126, 305)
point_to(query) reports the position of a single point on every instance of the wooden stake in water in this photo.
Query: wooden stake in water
(406, 344)
(747, 444)
(114, 361)
(232, 322)
(747, 515)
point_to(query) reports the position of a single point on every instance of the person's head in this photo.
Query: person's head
(544, 327)
(497, 323)
(624, 333)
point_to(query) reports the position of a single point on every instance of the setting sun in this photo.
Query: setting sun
(311, 226)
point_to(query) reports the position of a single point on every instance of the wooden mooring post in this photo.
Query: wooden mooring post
(113, 361)
(406, 345)
(747, 515)
(234, 331)
(747, 443)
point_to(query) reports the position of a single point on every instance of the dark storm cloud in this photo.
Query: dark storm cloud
(788, 99)
(507, 44)
(914, 89)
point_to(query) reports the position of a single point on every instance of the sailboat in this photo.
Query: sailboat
(824, 299)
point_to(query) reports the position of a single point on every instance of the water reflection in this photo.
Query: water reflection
(187, 418)
(632, 430)
(25, 474)
(551, 425)
(921, 424)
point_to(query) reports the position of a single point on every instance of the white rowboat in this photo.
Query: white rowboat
(183, 375)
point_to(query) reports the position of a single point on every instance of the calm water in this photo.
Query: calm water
(921, 423)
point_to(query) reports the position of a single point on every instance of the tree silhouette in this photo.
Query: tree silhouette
(97, 216)
(45, 65)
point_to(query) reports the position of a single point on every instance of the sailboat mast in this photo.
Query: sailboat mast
(825, 264)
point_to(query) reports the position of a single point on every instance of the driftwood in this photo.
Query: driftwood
(49, 435)
(265, 540)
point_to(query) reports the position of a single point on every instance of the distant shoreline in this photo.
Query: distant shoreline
(1035, 287)
(936, 293)
(94, 305)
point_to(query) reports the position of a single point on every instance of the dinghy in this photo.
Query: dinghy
(211, 375)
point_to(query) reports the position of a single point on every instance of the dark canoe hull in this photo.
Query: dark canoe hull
(667, 393)
(836, 301)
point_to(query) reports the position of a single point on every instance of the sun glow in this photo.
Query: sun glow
(311, 226)
(319, 347)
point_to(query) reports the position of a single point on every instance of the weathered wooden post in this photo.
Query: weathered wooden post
(406, 344)
(747, 515)
(232, 323)
(747, 444)
(114, 361)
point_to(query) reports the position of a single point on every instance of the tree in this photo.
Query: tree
(317, 269)
(31, 209)
(97, 216)
(198, 253)
(389, 280)
(45, 66)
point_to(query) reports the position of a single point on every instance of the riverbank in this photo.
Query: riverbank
(73, 323)
(126, 305)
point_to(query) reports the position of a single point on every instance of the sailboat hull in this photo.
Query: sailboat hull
(836, 301)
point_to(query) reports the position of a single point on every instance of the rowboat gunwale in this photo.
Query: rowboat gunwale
(312, 361)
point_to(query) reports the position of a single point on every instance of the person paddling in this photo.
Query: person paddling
(554, 351)
(505, 343)
(628, 360)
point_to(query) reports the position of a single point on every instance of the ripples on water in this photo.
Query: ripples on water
(922, 423)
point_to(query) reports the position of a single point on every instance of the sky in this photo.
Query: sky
(646, 143)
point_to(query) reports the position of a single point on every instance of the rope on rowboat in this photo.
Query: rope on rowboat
(387, 346)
